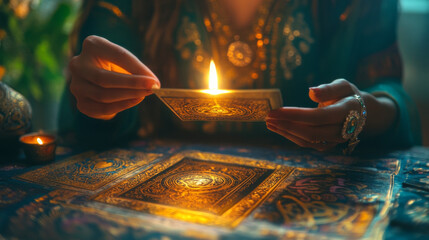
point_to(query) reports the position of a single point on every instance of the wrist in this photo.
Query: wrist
(382, 115)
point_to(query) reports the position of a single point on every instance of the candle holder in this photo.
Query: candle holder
(221, 105)
(39, 148)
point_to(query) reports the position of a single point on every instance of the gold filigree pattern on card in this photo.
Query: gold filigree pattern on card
(333, 202)
(205, 188)
(210, 109)
(89, 171)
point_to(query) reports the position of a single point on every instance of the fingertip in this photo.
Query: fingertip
(314, 90)
(156, 83)
(147, 82)
(313, 93)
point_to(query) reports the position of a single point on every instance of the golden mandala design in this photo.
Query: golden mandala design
(215, 109)
(198, 182)
(101, 165)
(219, 109)
(239, 54)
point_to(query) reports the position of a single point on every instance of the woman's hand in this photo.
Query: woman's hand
(107, 79)
(320, 128)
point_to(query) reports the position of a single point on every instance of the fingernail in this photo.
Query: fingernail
(155, 86)
(315, 90)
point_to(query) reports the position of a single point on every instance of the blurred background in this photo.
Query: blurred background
(413, 35)
(34, 51)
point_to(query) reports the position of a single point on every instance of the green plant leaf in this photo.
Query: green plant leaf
(35, 49)
(58, 19)
(45, 57)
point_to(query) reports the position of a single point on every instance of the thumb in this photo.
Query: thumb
(312, 93)
(332, 92)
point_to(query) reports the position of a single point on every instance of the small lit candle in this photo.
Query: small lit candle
(214, 82)
(39, 147)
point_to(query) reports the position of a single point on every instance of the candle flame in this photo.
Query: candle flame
(39, 141)
(213, 81)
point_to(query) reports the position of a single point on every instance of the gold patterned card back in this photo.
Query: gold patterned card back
(205, 188)
(89, 171)
(230, 105)
(338, 203)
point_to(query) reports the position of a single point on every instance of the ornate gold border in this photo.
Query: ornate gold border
(231, 218)
(39, 175)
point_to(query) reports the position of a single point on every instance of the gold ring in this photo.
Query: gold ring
(350, 124)
(353, 126)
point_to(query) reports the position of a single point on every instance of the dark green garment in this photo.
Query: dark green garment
(308, 43)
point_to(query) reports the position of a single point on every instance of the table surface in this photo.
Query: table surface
(257, 192)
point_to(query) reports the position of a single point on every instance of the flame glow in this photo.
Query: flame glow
(213, 81)
(39, 141)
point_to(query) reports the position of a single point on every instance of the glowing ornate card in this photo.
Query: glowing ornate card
(206, 188)
(89, 171)
(331, 202)
(225, 105)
